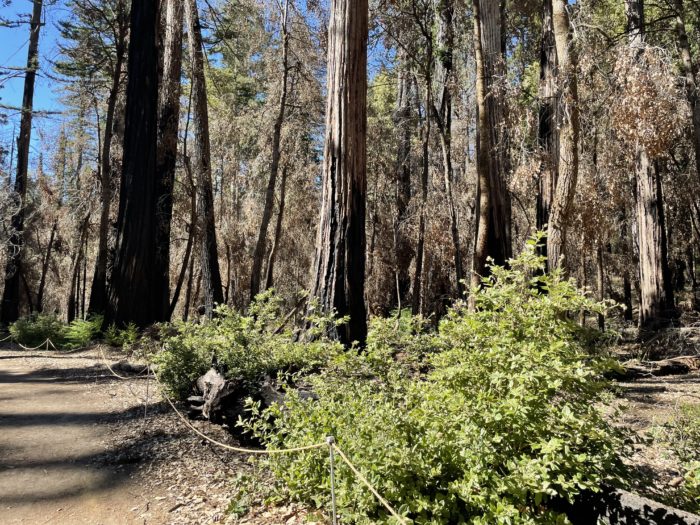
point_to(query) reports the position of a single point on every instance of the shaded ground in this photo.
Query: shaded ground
(75, 449)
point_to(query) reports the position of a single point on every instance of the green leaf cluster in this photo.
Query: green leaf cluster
(484, 421)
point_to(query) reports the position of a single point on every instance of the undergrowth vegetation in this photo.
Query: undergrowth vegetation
(683, 436)
(483, 421)
(35, 329)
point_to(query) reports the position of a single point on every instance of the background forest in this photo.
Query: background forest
(593, 134)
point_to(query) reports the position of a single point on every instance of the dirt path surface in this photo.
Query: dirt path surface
(53, 436)
(75, 449)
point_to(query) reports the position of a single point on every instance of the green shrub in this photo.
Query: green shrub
(80, 332)
(244, 347)
(123, 337)
(482, 422)
(683, 436)
(36, 328)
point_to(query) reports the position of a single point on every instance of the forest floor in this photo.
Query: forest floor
(75, 448)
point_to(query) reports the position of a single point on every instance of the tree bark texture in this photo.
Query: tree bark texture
(270, 270)
(493, 209)
(139, 287)
(569, 129)
(13, 267)
(211, 274)
(656, 294)
(547, 119)
(339, 267)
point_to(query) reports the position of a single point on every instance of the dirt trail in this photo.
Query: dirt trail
(52, 439)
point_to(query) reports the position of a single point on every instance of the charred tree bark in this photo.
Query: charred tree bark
(98, 290)
(259, 253)
(72, 308)
(339, 267)
(569, 128)
(547, 118)
(45, 267)
(139, 287)
(656, 294)
(13, 267)
(443, 115)
(211, 274)
(493, 212)
(270, 271)
(403, 121)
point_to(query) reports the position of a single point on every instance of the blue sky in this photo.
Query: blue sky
(13, 53)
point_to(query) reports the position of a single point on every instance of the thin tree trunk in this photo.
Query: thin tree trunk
(259, 253)
(188, 291)
(73, 303)
(416, 307)
(190, 240)
(403, 122)
(13, 267)
(493, 225)
(339, 267)
(270, 272)
(443, 114)
(140, 280)
(211, 274)
(547, 129)
(45, 267)
(600, 281)
(569, 128)
(692, 86)
(98, 291)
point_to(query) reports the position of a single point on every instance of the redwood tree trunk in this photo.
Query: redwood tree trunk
(656, 294)
(139, 287)
(211, 274)
(13, 267)
(493, 213)
(339, 267)
(259, 253)
(567, 164)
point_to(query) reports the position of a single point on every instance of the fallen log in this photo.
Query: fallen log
(214, 389)
(673, 366)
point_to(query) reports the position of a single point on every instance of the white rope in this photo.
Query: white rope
(6, 339)
(46, 343)
(367, 484)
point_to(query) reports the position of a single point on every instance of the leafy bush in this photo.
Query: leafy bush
(683, 434)
(243, 347)
(482, 422)
(36, 328)
(80, 332)
(123, 337)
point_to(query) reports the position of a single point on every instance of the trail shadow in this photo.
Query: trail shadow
(71, 375)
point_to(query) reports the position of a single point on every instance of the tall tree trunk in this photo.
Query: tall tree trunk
(98, 290)
(339, 267)
(403, 121)
(270, 271)
(692, 85)
(211, 274)
(190, 240)
(76, 266)
(259, 253)
(493, 210)
(417, 305)
(13, 267)
(443, 115)
(656, 294)
(569, 128)
(547, 117)
(139, 287)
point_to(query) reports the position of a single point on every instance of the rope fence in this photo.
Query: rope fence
(330, 442)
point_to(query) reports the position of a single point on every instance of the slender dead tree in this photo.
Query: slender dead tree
(209, 254)
(259, 253)
(270, 270)
(13, 268)
(339, 267)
